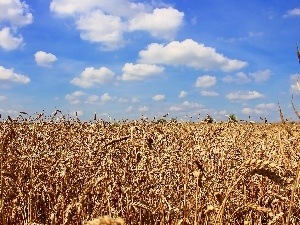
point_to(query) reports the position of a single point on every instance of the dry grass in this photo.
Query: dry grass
(149, 173)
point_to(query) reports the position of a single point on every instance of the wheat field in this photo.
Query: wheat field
(142, 172)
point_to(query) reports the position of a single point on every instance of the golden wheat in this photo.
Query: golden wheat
(73, 172)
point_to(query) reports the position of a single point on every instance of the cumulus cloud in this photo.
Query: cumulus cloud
(98, 27)
(175, 108)
(135, 100)
(239, 78)
(69, 7)
(15, 12)
(243, 38)
(209, 93)
(261, 76)
(294, 89)
(250, 95)
(8, 75)
(129, 109)
(248, 111)
(91, 77)
(106, 22)
(123, 100)
(74, 98)
(144, 109)
(268, 106)
(98, 100)
(189, 53)
(260, 109)
(205, 81)
(162, 23)
(105, 97)
(9, 111)
(140, 71)
(73, 8)
(292, 12)
(2, 98)
(182, 94)
(191, 104)
(159, 97)
(242, 78)
(92, 99)
(44, 59)
(8, 41)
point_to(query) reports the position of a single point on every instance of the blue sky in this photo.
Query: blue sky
(123, 59)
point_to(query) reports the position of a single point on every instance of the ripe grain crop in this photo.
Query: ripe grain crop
(73, 172)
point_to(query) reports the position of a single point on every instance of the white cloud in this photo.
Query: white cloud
(191, 104)
(99, 100)
(15, 12)
(294, 89)
(74, 97)
(8, 75)
(260, 109)
(223, 112)
(209, 93)
(140, 71)
(182, 94)
(44, 59)
(187, 108)
(243, 38)
(248, 111)
(269, 106)
(242, 78)
(144, 109)
(74, 101)
(162, 23)
(92, 99)
(261, 76)
(129, 109)
(159, 97)
(105, 97)
(106, 21)
(123, 100)
(8, 41)
(250, 95)
(101, 28)
(205, 81)
(91, 77)
(2, 98)
(135, 100)
(73, 8)
(69, 7)
(175, 108)
(9, 111)
(292, 12)
(189, 53)
(239, 78)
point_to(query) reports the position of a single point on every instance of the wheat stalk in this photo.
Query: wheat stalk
(280, 113)
(294, 108)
